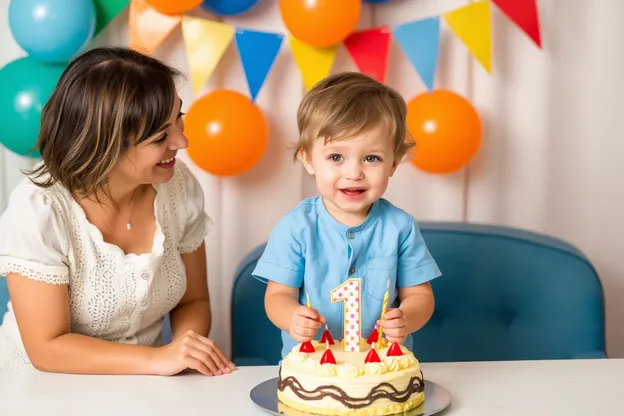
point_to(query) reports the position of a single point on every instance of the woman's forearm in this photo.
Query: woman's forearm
(194, 315)
(80, 354)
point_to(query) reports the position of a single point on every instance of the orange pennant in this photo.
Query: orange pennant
(149, 28)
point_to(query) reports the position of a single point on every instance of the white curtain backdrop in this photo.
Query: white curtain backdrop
(551, 158)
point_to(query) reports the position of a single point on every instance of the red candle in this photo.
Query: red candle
(374, 336)
(328, 356)
(327, 336)
(372, 356)
(307, 347)
(395, 350)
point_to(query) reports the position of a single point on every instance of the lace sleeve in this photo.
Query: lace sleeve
(196, 223)
(33, 238)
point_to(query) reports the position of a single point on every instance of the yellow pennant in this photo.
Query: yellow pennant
(148, 28)
(473, 25)
(314, 63)
(205, 42)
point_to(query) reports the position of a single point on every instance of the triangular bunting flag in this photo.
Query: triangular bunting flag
(107, 10)
(148, 28)
(257, 51)
(524, 14)
(314, 63)
(205, 42)
(420, 42)
(369, 51)
(473, 25)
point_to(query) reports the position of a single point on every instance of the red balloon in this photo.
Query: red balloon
(447, 131)
(320, 23)
(227, 133)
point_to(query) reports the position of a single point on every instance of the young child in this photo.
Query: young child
(352, 137)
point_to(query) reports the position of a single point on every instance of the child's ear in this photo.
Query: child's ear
(307, 164)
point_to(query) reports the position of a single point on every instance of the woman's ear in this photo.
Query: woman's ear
(305, 160)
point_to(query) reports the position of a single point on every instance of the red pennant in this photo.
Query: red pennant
(369, 51)
(372, 356)
(524, 14)
(328, 357)
(394, 350)
(374, 336)
(327, 337)
(307, 347)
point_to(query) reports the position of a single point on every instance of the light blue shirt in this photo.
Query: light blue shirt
(310, 250)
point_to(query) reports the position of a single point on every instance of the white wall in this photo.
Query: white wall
(551, 155)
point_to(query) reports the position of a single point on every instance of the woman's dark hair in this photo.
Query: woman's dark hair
(107, 100)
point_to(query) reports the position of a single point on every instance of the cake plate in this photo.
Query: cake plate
(437, 399)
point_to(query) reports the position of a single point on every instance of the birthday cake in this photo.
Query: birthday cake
(328, 377)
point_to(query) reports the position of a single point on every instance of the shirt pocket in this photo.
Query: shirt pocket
(380, 271)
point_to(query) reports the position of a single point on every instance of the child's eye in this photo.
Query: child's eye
(335, 158)
(371, 159)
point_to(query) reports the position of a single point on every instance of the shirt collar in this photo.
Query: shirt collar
(327, 218)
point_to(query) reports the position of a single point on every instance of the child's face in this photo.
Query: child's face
(353, 173)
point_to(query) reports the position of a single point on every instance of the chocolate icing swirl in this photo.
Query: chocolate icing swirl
(380, 391)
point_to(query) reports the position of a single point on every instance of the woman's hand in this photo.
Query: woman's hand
(193, 351)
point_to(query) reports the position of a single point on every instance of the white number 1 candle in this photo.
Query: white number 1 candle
(349, 293)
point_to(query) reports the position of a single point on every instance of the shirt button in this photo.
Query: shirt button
(352, 270)
(145, 276)
(350, 235)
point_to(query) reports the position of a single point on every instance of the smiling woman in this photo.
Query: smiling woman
(106, 235)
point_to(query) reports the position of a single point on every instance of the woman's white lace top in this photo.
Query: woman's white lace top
(45, 236)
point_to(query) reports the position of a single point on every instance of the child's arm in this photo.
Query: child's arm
(285, 311)
(414, 311)
(416, 268)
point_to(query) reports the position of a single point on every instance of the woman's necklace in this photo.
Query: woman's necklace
(128, 224)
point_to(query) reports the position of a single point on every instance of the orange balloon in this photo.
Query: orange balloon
(320, 23)
(173, 6)
(227, 133)
(447, 131)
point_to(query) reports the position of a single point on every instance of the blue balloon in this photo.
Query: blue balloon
(52, 30)
(229, 7)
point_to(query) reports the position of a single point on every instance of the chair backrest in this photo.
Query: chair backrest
(255, 340)
(505, 294)
(509, 294)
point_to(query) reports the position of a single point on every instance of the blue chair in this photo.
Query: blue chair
(255, 340)
(509, 294)
(4, 297)
(505, 294)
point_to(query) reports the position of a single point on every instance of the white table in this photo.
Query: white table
(552, 388)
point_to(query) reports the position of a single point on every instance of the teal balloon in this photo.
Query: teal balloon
(25, 86)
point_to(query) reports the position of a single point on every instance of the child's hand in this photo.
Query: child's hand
(394, 325)
(304, 323)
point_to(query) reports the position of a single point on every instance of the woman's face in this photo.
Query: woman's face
(153, 160)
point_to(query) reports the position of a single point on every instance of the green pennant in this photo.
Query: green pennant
(107, 10)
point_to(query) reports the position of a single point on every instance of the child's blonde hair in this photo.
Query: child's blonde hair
(347, 104)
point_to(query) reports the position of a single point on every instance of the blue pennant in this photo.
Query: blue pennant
(257, 52)
(420, 42)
